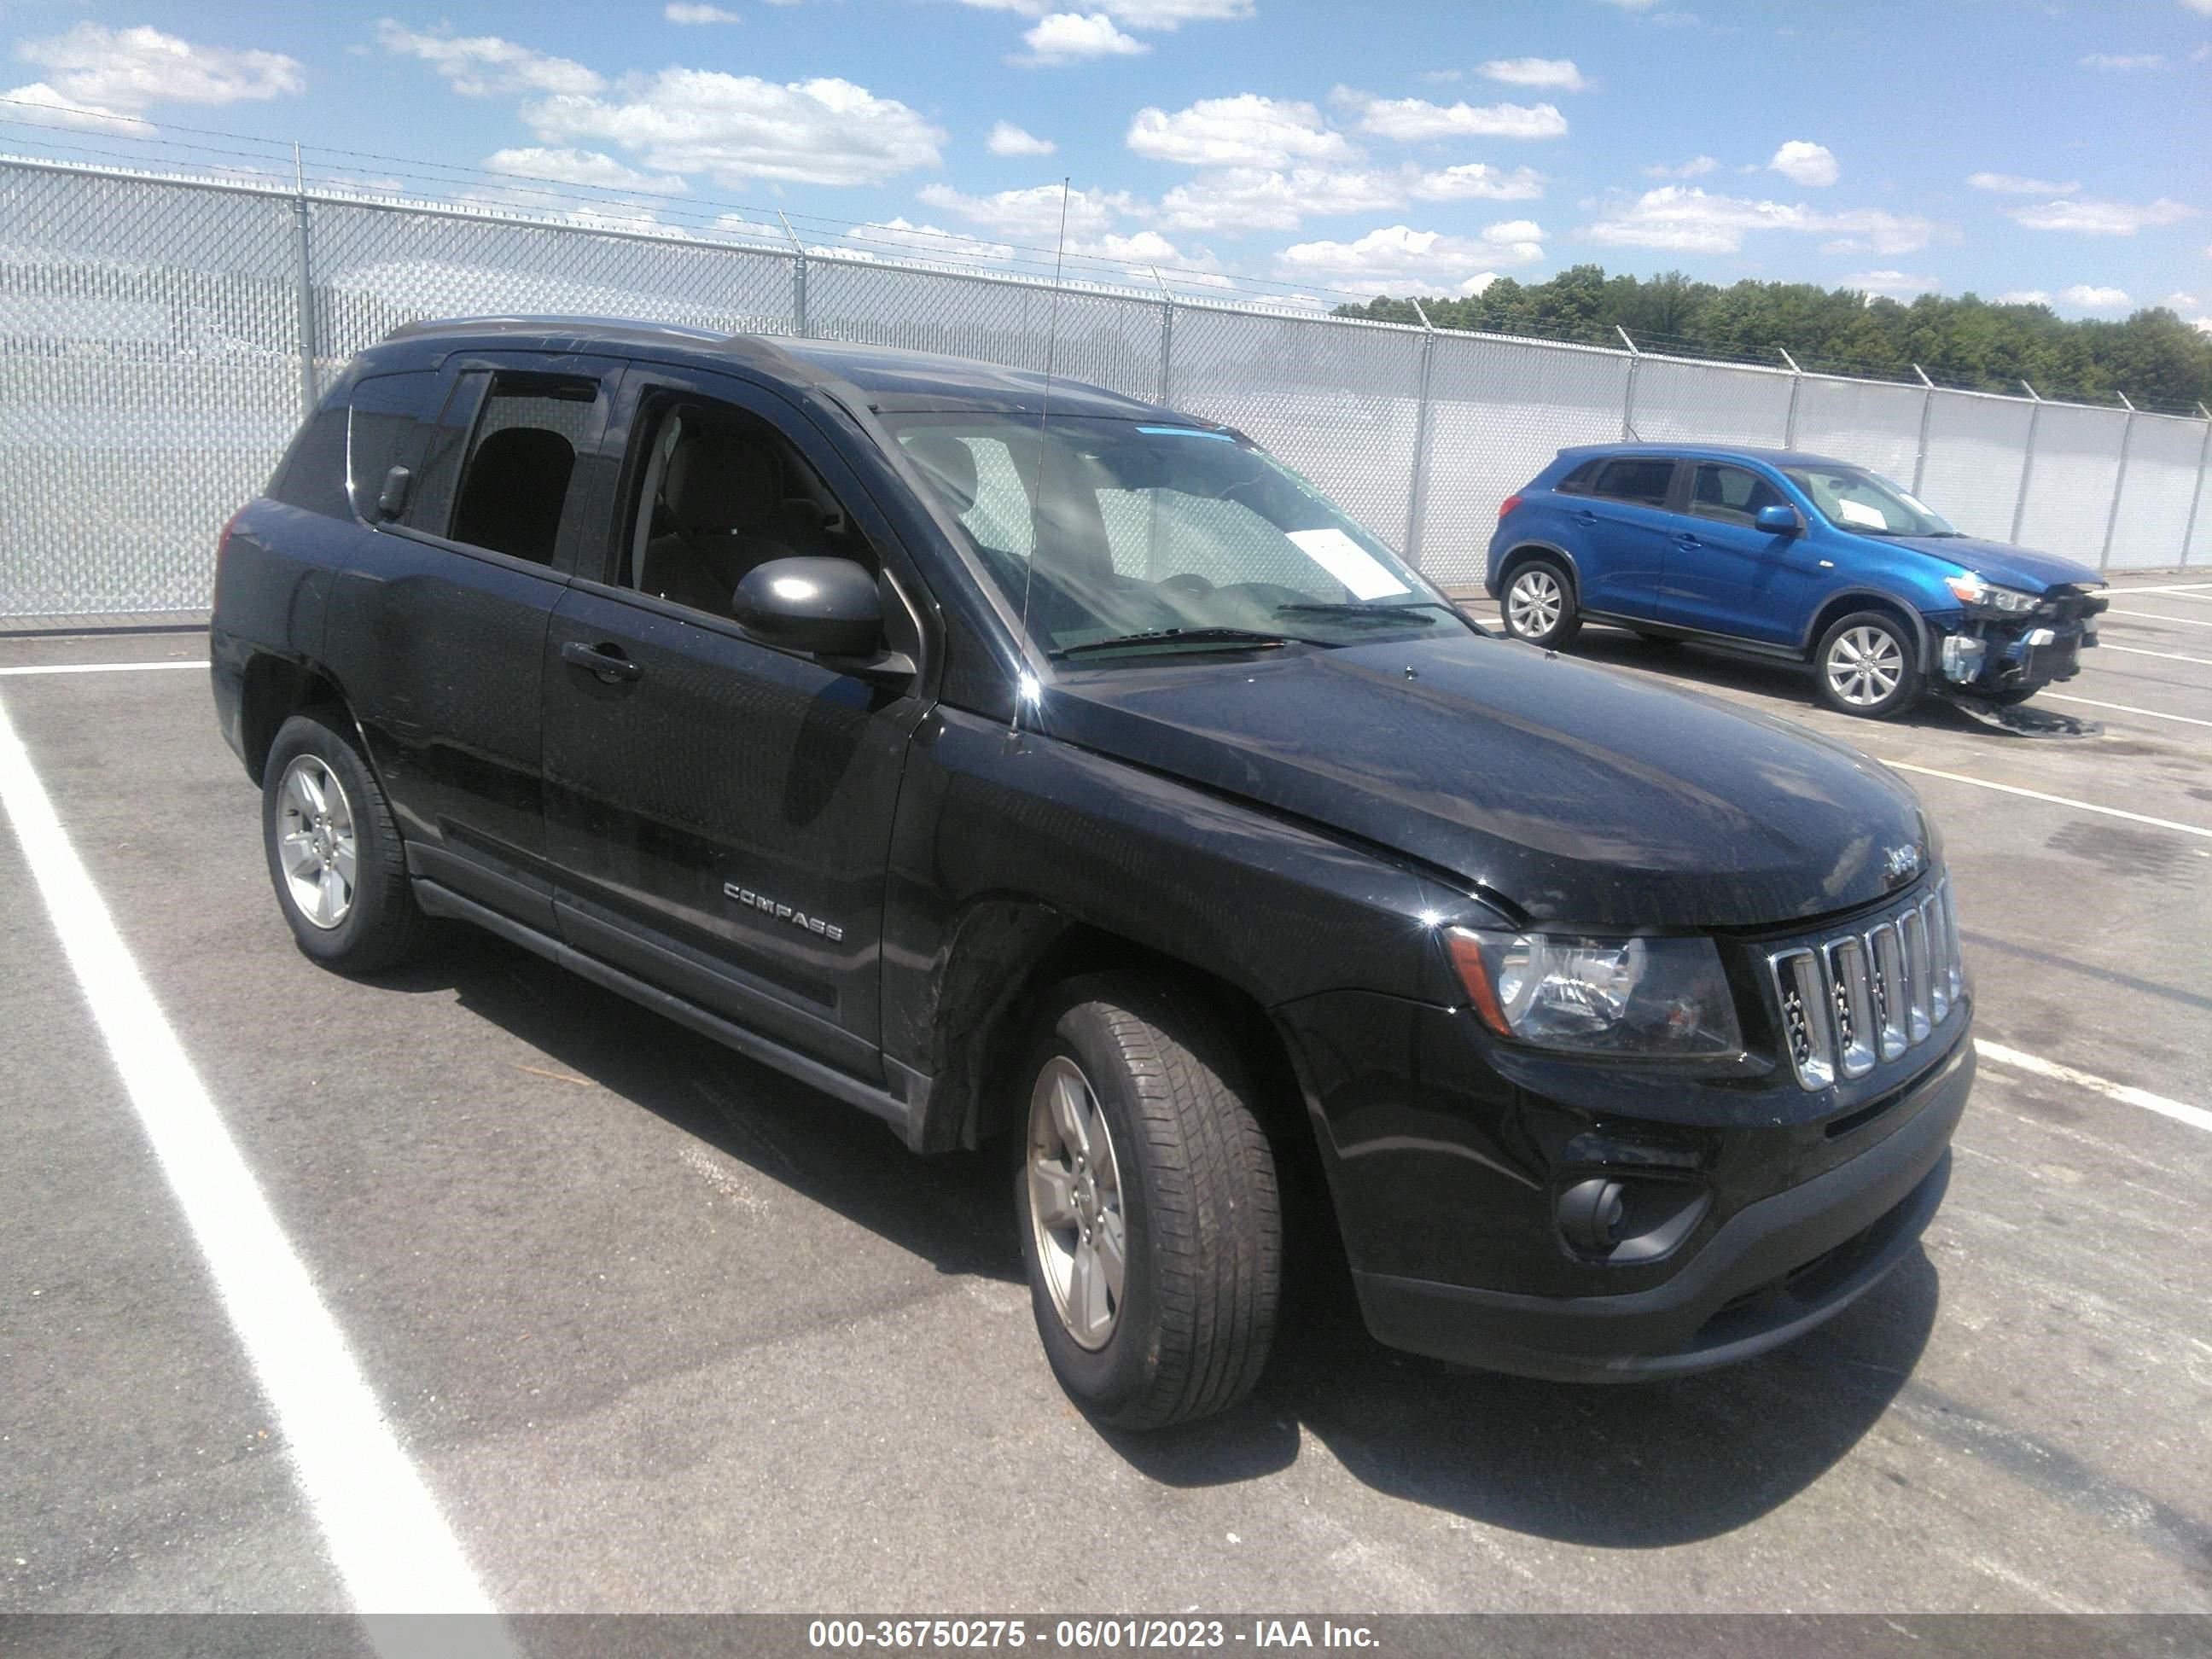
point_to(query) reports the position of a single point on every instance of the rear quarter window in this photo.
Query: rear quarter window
(314, 472)
(1577, 482)
(389, 412)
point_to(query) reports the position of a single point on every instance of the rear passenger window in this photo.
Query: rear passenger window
(1731, 495)
(387, 432)
(512, 476)
(1643, 482)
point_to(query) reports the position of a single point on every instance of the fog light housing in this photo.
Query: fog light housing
(1630, 1218)
(1963, 658)
(1590, 1214)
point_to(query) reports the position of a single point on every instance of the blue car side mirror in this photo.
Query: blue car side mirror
(1779, 519)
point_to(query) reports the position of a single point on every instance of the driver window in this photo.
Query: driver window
(723, 492)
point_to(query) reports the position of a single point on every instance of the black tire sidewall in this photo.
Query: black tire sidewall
(365, 934)
(1907, 692)
(1569, 612)
(1106, 1380)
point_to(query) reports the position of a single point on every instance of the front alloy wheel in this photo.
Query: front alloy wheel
(1075, 1203)
(1865, 663)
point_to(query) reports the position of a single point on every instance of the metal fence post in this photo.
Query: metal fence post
(2027, 462)
(2120, 481)
(799, 324)
(1167, 332)
(1628, 398)
(306, 288)
(2203, 454)
(1416, 497)
(1789, 421)
(1927, 408)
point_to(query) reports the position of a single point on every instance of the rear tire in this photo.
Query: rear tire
(1866, 665)
(335, 856)
(1146, 1192)
(1539, 604)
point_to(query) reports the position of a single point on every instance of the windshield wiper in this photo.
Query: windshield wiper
(1403, 613)
(1249, 638)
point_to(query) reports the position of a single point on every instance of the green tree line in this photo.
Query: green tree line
(2155, 358)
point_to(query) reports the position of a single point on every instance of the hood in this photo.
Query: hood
(2000, 562)
(1582, 797)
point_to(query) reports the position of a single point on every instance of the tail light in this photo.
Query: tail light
(1508, 505)
(222, 541)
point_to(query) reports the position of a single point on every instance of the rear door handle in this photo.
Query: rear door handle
(606, 661)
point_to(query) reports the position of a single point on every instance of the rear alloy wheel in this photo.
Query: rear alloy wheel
(1865, 665)
(1539, 606)
(1146, 1190)
(334, 853)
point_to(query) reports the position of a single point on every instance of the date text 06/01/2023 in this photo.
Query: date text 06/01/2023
(1085, 1635)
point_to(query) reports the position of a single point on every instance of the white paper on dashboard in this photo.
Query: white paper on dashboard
(1349, 562)
(1860, 513)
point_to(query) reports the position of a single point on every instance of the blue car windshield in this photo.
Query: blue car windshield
(1852, 498)
(1123, 537)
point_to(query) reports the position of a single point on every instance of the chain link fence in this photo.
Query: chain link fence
(161, 338)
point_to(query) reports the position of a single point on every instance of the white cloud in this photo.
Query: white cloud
(2087, 216)
(2024, 296)
(2105, 60)
(2094, 299)
(1696, 168)
(1261, 199)
(2181, 301)
(900, 238)
(1032, 215)
(1397, 257)
(2205, 6)
(2006, 184)
(1415, 120)
(1476, 180)
(736, 129)
(1685, 219)
(1165, 14)
(1803, 163)
(1559, 72)
(677, 12)
(1007, 139)
(581, 167)
(114, 75)
(1247, 130)
(1889, 282)
(38, 105)
(485, 66)
(1067, 37)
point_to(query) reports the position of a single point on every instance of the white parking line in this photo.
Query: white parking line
(386, 1538)
(2059, 800)
(2124, 709)
(98, 667)
(2137, 651)
(2172, 587)
(2196, 1116)
(2159, 616)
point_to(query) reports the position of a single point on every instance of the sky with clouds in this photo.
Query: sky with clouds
(2058, 151)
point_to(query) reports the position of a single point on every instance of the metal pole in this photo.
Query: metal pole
(1167, 332)
(1789, 421)
(798, 279)
(2203, 454)
(306, 293)
(2026, 463)
(1628, 398)
(1927, 408)
(2120, 481)
(1416, 497)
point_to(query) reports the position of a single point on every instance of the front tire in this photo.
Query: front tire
(1538, 606)
(1865, 665)
(334, 853)
(1149, 1215)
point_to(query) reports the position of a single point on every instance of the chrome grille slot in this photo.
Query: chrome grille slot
(1855, 1000)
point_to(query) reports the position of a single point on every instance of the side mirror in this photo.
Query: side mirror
(391, 500)
(1778, 518)
(823, 607)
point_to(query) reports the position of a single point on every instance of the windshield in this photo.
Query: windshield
(1129, 538)
(1852, 498)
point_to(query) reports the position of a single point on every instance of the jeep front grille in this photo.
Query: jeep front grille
(1870, 995)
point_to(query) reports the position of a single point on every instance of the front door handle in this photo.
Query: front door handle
(606, 661)
(1687, 540)
(1585, 518)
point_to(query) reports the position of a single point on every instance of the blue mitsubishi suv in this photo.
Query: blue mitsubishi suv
(1789, 556)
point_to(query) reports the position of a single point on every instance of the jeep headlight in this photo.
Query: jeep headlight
(1968, 588)
(1660, 997)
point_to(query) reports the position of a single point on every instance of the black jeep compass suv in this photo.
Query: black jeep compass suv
(1033, 765)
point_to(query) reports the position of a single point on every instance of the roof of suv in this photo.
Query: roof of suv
(1737, 451)
(887, 379)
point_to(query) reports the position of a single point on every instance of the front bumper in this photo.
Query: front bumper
(1776, 1268)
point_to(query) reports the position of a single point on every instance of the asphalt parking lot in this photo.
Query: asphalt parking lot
(659, 1329)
